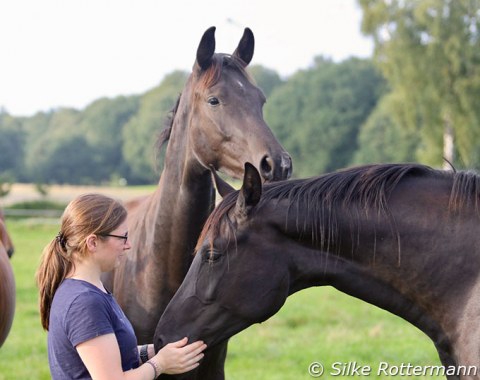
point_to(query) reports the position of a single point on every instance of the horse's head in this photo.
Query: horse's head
(239, 275)
(225, 113)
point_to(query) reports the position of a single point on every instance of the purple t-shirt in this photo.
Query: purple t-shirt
(80, 312)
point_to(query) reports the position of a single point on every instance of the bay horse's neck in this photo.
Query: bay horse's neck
(316, 268)
(164, 230)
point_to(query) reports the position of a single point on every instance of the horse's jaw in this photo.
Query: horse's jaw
(211, 325)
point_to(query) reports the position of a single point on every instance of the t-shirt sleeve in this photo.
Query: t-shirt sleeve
(87, 318)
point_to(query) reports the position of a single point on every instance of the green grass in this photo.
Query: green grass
(326, 326)
(318, 324)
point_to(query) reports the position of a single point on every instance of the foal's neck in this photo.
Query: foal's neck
(318, 268)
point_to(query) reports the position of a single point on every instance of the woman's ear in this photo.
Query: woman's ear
(92, 241)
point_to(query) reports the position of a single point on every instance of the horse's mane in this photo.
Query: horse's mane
(366, 187)
(164, 135)
(362, 189)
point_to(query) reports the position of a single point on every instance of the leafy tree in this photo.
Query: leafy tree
(383, 139)
(266, 79)
(45, 132)
(11, 146)
(318, 112)
(429, 51)
(102, 124)
(70, 160)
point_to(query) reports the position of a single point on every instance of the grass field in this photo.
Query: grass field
(318, 324)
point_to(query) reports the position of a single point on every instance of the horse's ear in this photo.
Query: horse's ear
(251, 191)
(206, 48)
(246, 46)
(223, 187)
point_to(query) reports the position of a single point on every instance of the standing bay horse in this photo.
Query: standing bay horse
(217, 124)
(7, 283)
(403, 237)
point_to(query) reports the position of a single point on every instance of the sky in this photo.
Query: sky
(68, 53)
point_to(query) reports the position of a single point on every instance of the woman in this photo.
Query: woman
(88, 334)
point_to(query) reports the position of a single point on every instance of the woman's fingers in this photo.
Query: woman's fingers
(179, 357)
(197, 346)
(179, 343)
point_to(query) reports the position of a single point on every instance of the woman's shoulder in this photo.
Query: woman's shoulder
(73, 287)
(80, 292)
(73, 284)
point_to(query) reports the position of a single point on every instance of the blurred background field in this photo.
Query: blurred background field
(27, 192)
(317, 324)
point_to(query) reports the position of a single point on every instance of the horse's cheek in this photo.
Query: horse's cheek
(209, 291)
(208, 283)
(276, 297)
(266, 295)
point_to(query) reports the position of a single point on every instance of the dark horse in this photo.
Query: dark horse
(403, 237)
(7, 282)
(217, 124)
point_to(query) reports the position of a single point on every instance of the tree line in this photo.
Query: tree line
(315, 114)
(417, 99)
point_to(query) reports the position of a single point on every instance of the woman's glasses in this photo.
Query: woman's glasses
(124, 237)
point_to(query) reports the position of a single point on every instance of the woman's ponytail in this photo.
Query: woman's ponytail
(54, 267)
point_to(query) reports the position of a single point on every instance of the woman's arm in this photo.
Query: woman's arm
(101, 356)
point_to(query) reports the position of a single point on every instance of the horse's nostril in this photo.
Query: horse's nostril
(266, 167)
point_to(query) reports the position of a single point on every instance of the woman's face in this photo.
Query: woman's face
(113, 248)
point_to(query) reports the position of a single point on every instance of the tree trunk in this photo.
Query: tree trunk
(448, 146)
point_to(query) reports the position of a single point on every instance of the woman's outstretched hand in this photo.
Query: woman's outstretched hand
(179, 357)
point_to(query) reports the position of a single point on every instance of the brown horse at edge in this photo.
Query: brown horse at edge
(7, 282)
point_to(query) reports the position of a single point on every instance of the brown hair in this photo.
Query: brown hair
(85, 215)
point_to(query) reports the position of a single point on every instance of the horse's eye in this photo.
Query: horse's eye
(211, 255)
(213, 101)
